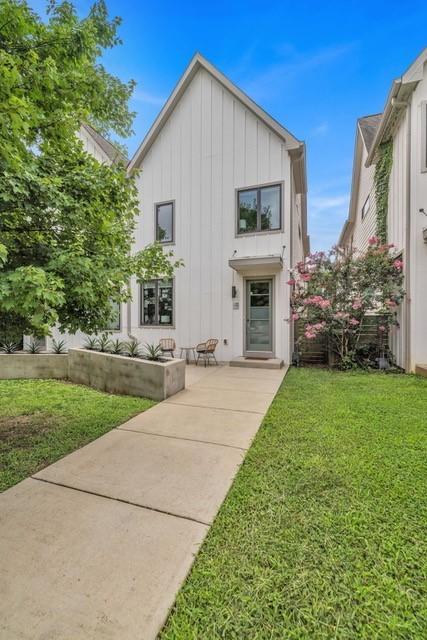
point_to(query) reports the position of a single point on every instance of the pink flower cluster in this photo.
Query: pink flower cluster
(398, 264)
(318, 301)
(357, 304)
(311, 330)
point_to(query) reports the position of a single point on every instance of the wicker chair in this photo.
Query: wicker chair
(167, 345)
(206, 351)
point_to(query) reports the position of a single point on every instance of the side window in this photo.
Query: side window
(114, 324)
(366, 207)
(165, 223)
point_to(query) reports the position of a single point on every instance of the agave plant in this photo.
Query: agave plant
(33, 347)
(117, 347)
(8, 347)
(152, 352)
(59, 346)
(91, 343)
(104, 343)
(132, 348)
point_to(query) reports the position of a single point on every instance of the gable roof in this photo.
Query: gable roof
(368, 126)
(400, 91)
(199, 62)
(113, 154)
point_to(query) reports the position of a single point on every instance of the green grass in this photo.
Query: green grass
(43, 420)
(323, 534)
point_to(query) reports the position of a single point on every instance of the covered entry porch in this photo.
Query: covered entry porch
(259, 310)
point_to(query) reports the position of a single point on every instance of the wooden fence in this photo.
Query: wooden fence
(317, 351)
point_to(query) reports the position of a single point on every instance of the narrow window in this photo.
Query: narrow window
(114, 324)
(157, 303)
(259, 209)
(165, 222)
(366, 207)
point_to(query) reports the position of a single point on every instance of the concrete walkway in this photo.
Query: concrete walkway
(97, 545)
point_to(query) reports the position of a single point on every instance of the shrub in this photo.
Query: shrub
(132, 348)
(332, 294)
(8, 347)
(152, 352)
(59, 346)
(32, 347)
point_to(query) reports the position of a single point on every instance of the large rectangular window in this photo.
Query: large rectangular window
(259, 209)
(165, 223)
(157, 303)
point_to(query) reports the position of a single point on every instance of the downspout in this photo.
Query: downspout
(408, 240)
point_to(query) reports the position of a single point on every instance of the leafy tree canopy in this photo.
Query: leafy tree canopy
(66, 221)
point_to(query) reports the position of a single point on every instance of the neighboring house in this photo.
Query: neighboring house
(223, 185)
(404, 123)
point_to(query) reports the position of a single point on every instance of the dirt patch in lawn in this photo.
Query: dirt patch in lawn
(19, 432)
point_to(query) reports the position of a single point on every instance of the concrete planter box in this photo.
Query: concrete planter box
(33, 365)
(129, 376)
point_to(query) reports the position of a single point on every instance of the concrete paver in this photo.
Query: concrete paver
(231, 428)
(223, 399)
(76, 566)
(97, 545)
(182, 477)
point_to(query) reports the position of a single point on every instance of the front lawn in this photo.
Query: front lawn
(324, 532)
(43, 420)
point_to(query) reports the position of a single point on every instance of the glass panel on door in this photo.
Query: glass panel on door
(259, 316)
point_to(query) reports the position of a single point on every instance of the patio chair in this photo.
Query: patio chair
(206, 351)
(167, 345)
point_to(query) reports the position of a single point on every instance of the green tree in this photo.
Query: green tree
(66, 221)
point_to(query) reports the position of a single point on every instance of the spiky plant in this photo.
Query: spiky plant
(104, 343)
(132, 348)
(8, 347)
(59, 346)
(152, 352)
(91, 343)
(32, 347)
(117, 347)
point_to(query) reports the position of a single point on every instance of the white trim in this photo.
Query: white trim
(199, 62)
(423, 158)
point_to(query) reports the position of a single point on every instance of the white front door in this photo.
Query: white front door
(259, 318)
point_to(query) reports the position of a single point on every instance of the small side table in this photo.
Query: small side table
(187, 353)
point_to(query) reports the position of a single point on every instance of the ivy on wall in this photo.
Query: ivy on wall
(381, 182)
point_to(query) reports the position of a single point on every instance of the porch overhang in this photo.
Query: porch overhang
(257, 265)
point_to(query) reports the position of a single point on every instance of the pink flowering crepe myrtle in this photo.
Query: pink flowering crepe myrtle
(332, 293)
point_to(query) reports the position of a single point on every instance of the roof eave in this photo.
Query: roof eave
(199, 62)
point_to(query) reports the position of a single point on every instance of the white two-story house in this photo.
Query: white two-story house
(404, 123)
(223, 185)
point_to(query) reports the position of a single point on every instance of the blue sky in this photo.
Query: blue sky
(315, 66)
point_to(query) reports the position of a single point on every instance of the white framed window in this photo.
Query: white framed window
(157, 297)
(259, 209)
(424, 137)
(165, 222)
(366, 207)
(115, 321)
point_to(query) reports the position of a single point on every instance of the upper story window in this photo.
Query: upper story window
(366, 207)
(165, 223)
(259, 209)
(424, 137)
(157, 303)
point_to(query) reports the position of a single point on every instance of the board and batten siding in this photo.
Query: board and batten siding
(418, 200)
(210, 146)
(365, 228)
(396, 226)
